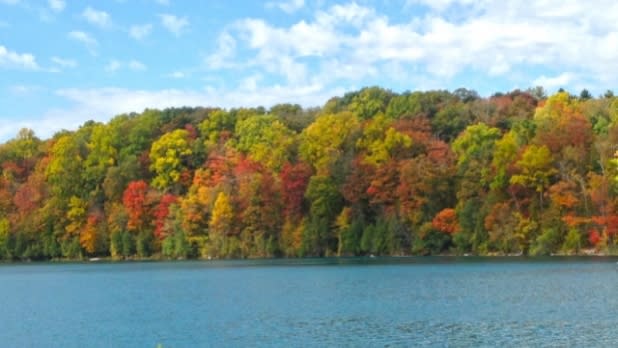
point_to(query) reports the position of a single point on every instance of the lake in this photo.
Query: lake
(436, 301)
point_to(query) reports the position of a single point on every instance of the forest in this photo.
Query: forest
(371, 172)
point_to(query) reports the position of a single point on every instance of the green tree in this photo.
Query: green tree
(64, 169)
(474, 148)
(325, 202)
(381, 142)
(505, 153)
(265, 139)
(215, 128)
(369, 102)
(5, 240)
(102, 155)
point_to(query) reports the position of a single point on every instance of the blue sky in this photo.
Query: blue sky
(64, 62)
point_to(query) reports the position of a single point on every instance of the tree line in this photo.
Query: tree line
(370, 172)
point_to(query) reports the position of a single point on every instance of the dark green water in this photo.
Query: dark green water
(318, 302)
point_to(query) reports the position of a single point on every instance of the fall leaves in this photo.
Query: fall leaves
(370, 172)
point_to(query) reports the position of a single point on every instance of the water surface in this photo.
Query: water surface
(436, 301)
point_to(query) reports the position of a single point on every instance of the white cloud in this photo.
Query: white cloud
(99, 18)
(176, 75)
(64, 63)
(139, 32)
(56, 5)
(86, 39)
(175, 25)
(44, 127)
(506, 38)
(11, 59)
(100, 104)
(555, 43)
(111, 101)
(442, 5)
(136, 65)
(226, 48)
(289, 6)
(250, 83)
(555, 82)
(115, 65)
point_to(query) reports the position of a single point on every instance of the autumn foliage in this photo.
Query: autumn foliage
(370, 172)
(134, 200)
(446, 221)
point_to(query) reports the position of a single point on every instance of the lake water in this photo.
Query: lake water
(346, 302)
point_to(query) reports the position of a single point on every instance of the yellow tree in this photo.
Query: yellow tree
(324, 141)
(562, 126)
(167, 155)
(220, 225)
(213, 129)
(89, 237)
(265, 139)
(101, 155)
(76, 215)
(381, 141)
(65, 167)
(535, 170)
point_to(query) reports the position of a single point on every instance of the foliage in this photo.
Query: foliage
(265, 139)
(324, 141)
(167, 155)
(370, 172)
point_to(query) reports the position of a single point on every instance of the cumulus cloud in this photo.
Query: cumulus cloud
(175, 25)
(136, 65)
(554, 43)
(139, 32)
(64, 63)
(11, 59)
(99, 104)
(99, 18)
(553, 82)
(56, 5)
(506, 38)
(86, 39)
(442, 5)
(226, 49)
(113, 65)
(110, 101)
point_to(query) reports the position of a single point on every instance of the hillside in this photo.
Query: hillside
(371, 172)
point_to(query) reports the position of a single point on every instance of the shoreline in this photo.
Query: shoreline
(367, 258)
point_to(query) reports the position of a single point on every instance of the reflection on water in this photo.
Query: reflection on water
(312, 302)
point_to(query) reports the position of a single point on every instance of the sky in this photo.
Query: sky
(63, 62)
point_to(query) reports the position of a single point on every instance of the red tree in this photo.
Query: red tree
(134, 201)
(294, 181)
(161, 213)
(446, 221)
